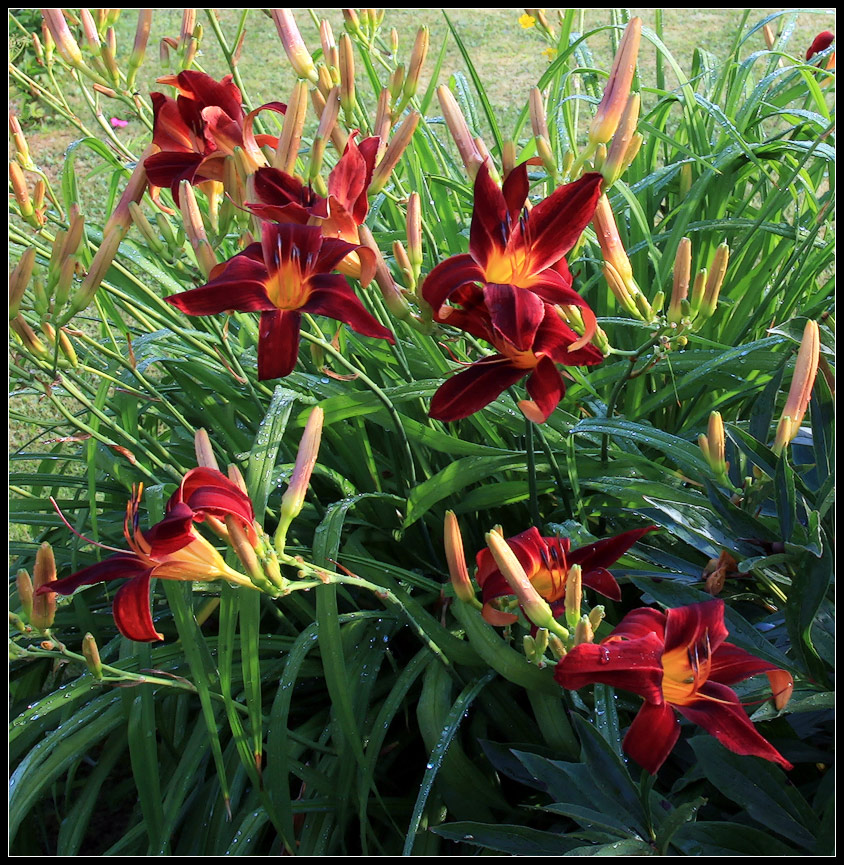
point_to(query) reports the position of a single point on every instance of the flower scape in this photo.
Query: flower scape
(398, 469)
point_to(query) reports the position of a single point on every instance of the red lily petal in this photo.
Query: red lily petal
(652, 736)
(820, 43)
(547, 388)
(515, 313)
(639, 623)
(240, 286)
(131, 610)
(696, 623)
(528, 547)
(281, 244)
(275, 187)
(117, 567)
(226, 133)
(720, 713)
(368, 149)
(554, 287)
(169, 130)
(556, 223)
(278, 343)
(515, 191)
(488, 231)
(208, 491)
(633, 665)
(348, 181)
(170, 167)
(447, 277)
(730, 664)
(172, 533)
(332, 251)
(606, 552)
(556, 339)
(602, 581)
(331, 295)
(202, 88)
(474, 388)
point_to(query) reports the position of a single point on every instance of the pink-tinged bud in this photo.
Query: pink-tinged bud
(805, 371)
(21, 192)
(485, 155)
(204, 451)
(351, 22)
(63, 38)
(89, 29)
(25, 592)
(291, 132)
(108, 52)
(306, 457)
(235, 475)
(610, 109)
(398, 144)
(206, 258)
(49, 43)
(28, 338)
(393, 297)
(112, 94)
(402, 260)
(535, 607)
(139, 48)
(19, 280)
(239, 542)
(91, 653)
(714, 281)
(459, 129)
(574, 595)
(417, 60)
(682, 276)
(610, 241)
(616, 160)
(134, 191)
(190, 51)
(326, 39)
(538, 121)
(456, 559)
(98, 269)
(414, 232)
(347, 77)
(43, 603)
(188, 25)
(21, 147)
(327, 122)
(164, 52)
(383, 121)
(297, 52)
(37, 48)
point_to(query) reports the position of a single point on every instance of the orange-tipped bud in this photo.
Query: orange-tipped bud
(28, 337)
(394, 41)
(398, 144)
(62, 37)
(396, 83)
(206, 258)
(188, 26)
(713, 444)
(617, 157)
(483, 150)
(99, 267)
(139, 48)
(620, 290)
(459, 129)
(91, 653)
(21, 192)
(235, 475)
(612, 105)
(802, 382)
(21, 147)
(43, 604)
(400, 255)
(414, 232)
(306, 457)
(782, 685)
(326, 39)
(456, 559)
(770, 38)
(291, 132)
(25, 592)
(534, 605)
(698, 290)
(347, 77)
(574, 595)
(19, 280)
(417, 60)
(134, 191)
(297, 52)
(383, 122)
(608, 237)
(239, 542)
(204, 451)
(682, 275)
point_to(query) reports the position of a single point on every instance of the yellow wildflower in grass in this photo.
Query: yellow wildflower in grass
(527, 21)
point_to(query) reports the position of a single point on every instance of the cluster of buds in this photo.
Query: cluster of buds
(184, 47)
(31, 208)
(364, 23)
(39, 609)
(705, 290)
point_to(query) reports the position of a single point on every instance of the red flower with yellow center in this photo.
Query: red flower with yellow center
(530, 339)
(510, 245)
(546, 562)
(198, 129)
(283, 276)
(171, 550)
(677, 660)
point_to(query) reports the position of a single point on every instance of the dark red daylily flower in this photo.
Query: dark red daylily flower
(171, 550)
(212, 497)
(284, 198)
(198, 129)
(546, 562)
(680, 661)
(820, 43)
(281, 277)
(530, 338)
(525, 249)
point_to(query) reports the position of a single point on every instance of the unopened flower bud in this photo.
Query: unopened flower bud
(508, 158)
(395, 84)
(398, 144)
(139, 49)
(98, 269)
(204, 451)
(21, 147)
(713, 444)
(596, 616)
(43, 602)
(25, 592)
(21, 192)
(19, 280)
(682, 275)
(583, 631)
(459, 129)
(414, 232)
(400, 255)
(782, 685)
(291, 132)
(543, 150)
(297, 52)
(616, 160)
(294, 495)
(557, 647)
(574, 595)
(206, 258)
(63, 38)
(91, 653)
(456, 560)
(802, 382)
(414, 67)
(538, 121)
(714, 281)
(614, 100)
(347, 77)
(245, 551)
(351, 22)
